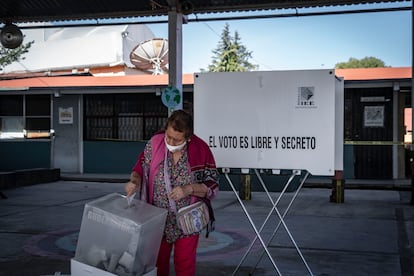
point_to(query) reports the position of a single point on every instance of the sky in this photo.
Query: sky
(309, 42)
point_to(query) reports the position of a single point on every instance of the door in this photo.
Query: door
(67, 140)
(370, 128)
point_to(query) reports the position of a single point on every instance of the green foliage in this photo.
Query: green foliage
(8, 56)
(230, 55)
(366, 62)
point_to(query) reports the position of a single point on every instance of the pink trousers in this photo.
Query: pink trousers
(185, 251)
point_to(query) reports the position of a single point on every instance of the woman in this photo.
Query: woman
(178, 158)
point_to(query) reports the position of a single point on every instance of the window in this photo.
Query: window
(11, 105)
(128, 117)
(11, 117)
(25, 114)
(37, 116)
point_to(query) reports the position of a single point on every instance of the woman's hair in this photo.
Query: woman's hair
(181, 121)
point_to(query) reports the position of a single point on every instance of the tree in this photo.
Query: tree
(366, 62)
(8, 56)
(230, 55)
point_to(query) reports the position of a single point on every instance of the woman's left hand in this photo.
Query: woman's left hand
(179, 192)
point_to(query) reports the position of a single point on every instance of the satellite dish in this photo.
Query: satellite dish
(151, 55)
(11, 37)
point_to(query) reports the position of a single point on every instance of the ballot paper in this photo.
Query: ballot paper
(129, 199)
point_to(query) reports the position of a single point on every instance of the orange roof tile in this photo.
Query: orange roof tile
(374, 73)
(188, 79)
(91, 81)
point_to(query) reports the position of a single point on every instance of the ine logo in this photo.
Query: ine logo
(306, 97)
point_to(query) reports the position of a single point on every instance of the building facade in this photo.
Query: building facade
(88, 124)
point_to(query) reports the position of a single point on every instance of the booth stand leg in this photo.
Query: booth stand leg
(338, 188)
(281, 217)
(252, 224)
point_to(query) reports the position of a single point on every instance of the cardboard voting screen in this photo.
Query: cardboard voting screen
(268, 119)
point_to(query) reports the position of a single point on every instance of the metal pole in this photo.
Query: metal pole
(175, 50)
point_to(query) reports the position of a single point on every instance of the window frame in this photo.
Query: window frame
(21, 114)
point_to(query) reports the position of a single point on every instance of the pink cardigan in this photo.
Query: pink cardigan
(200, 159)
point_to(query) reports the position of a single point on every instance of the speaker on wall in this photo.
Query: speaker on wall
(11, 36)
(186, 7)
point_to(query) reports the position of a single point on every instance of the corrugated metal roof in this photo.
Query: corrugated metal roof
(387, 73)
(56, 10)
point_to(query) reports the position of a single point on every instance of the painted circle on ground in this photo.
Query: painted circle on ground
(62, 244)
(46, 244)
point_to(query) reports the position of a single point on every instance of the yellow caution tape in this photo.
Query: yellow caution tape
(375, 143)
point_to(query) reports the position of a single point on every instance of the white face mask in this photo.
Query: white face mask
(175, 148)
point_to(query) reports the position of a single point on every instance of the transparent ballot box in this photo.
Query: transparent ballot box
(120, 238)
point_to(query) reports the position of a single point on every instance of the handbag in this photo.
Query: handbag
(193, 218)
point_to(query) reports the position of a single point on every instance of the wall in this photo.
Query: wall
(17, 155)
(110, 156)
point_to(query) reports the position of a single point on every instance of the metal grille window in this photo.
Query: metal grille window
(128, 117)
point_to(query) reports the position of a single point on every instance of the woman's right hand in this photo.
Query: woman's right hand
(133, 184)
(130, 188)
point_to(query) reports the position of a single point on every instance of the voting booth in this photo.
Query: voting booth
(118, 237)
(274, 120)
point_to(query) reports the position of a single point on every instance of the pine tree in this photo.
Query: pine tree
(230, 55)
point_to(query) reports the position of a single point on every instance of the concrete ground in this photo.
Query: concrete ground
(371, 233)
